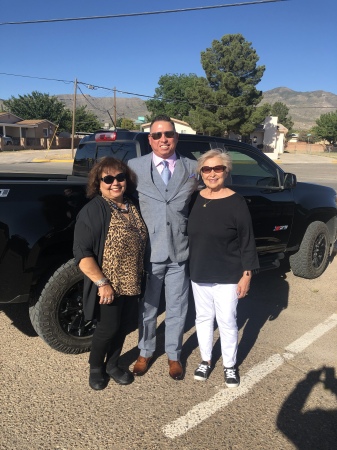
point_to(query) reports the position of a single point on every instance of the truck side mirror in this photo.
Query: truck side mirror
(289, 181)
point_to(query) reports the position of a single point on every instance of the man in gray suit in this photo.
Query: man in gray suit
(165, 184)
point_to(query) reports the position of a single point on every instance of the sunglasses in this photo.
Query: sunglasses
(158, 135)
(217, 169)
(109, 179)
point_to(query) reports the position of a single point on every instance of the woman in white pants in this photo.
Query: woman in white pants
(222, 258)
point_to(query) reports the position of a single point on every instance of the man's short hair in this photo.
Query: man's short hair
(163, 118)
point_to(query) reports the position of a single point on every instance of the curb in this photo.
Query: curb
(37, 160)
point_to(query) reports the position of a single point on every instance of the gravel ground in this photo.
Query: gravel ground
(46, 402)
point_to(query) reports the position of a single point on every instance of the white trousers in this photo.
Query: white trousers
(216, 301)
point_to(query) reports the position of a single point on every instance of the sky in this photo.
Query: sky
(296, 40)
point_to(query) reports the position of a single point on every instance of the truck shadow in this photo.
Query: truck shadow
(18, 313)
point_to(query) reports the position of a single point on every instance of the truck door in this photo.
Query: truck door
(257, 178)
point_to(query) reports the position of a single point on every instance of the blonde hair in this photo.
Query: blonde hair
(216, 152)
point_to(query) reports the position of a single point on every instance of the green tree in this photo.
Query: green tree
(39, 106)
(85, 121)
(326, 127)
(171, 96)
(226, 100)
(43, 106)
(203, 121)
(303, 135)
(128, 124)
(202, 116)
(258, 115)
(281, 110)
(232, 74)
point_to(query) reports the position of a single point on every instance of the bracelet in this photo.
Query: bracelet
(105, 284)
(102, 282)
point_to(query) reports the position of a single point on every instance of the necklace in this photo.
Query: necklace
(206, 203)
(117, 208)
(125, 215)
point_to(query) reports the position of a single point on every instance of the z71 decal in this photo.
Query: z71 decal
(280, 227)
(4, 192)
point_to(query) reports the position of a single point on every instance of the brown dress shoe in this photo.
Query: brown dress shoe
(176, 370)
(141, 366)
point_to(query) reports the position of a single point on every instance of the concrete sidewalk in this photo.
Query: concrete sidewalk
(305, 158)
(60, 155)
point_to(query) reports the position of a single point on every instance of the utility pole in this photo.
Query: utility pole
(115, 108)
(73, 127)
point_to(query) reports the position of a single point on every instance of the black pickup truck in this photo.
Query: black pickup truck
(38, 212)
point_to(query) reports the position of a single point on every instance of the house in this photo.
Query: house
(26, 133)
(180, 126)
(269, 136)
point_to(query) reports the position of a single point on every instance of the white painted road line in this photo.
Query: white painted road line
(308, 338)
(204, 410)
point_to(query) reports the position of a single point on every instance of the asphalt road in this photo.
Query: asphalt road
(307, 167)
(37, 161)
(311, 168)
(287, 398)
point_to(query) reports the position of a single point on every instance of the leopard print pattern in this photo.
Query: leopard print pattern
(124, 250)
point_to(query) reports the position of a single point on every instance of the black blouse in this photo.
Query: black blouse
(221, 240)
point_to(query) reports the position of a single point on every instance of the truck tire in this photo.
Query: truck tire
(57, 313)
(312, 258)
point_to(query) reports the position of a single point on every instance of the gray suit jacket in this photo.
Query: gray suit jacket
(165, 207)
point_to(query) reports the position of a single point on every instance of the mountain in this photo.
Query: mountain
(130, 108)
(304, 107)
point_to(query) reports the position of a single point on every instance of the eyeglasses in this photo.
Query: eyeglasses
(217, 169)
(109, 179)
(158, 135)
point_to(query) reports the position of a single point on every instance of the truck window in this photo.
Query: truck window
(192, 149)
(119, 150)
(250, 170)
(84, 158)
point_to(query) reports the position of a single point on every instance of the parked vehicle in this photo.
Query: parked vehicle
(38, 212)
(8, 139)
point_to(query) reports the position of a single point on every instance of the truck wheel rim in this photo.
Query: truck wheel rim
(71, 315)
(319, 250)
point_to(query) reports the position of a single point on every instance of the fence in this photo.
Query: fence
(305, 147)
(38, 143)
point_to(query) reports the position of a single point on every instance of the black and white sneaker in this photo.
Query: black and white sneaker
(232, 379)
(203, 371)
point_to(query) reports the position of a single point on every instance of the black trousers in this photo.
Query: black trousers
(114, 322)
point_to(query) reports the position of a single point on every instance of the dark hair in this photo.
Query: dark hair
(105, 165)
(163, 118)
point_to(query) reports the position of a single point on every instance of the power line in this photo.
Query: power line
(34, 77)
(90, 103)
(167, 100)
(148, 13)
(93, 86)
